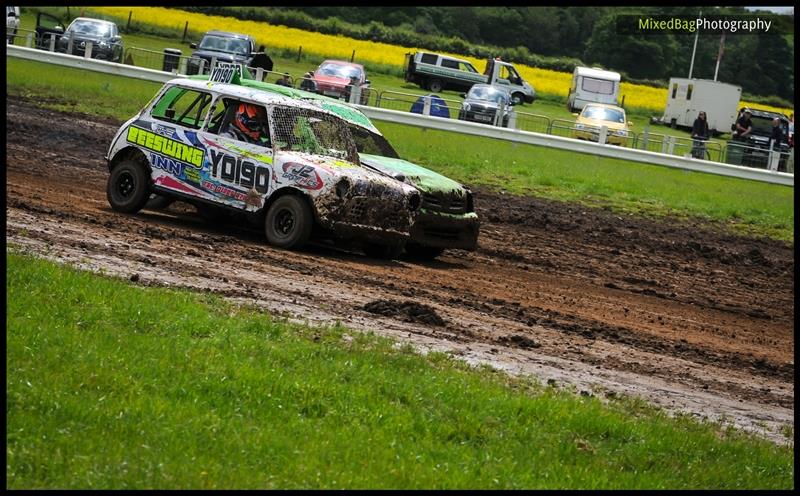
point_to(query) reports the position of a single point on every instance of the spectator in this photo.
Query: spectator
(777, 133)
(790, 138)
(284, 80)
(261, 59)
(700, 135)
(308, 83)
(743, 126)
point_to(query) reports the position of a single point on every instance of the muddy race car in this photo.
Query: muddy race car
(295, 171)
(447, 217)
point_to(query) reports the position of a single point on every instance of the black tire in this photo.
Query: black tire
(288, 222)
(435, 85)
(517, 98)
(158, 202)
(382, 251)
(128, 187)
(423, 252)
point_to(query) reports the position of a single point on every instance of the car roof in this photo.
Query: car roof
(342, 62)
(766, 113)
(594, 72)
(604, 105)
(229, 34)
(257, 95)
(491, 86)
(92, 19)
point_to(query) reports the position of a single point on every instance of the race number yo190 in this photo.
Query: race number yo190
(226, 73)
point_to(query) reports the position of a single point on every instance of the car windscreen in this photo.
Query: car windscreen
(90, 28)
(763, 126)
(338, 70)
(603, 114)
(310, 131)
(228, 45)
(486, 93)
(372, 143)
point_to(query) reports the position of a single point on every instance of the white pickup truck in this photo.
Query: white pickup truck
(436, 72)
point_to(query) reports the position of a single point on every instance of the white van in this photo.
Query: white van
(592, 86)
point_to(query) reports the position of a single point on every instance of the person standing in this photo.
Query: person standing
(743, 126)
(700, 135)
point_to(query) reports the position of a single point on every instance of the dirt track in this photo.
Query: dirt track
(686, 316)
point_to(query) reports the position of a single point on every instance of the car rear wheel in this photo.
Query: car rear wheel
(288, 222)
(435, 85)
(128, 187)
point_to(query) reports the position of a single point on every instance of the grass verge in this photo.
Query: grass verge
(746, 207)
(114, 386)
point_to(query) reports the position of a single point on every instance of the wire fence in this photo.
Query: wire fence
(735, 153)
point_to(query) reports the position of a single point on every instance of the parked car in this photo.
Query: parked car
(486, 104)
(594, 116)
(334, 78)
(225, 47)
(103, 35)
(447, 217)
(12, 23)
(305, 178)
(437, 72)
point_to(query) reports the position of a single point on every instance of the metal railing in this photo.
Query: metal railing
(769, 174)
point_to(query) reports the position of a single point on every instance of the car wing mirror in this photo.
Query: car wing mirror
(193, 46)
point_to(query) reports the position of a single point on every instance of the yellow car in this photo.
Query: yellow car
(594, 116)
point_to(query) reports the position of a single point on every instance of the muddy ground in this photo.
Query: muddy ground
(687, 316)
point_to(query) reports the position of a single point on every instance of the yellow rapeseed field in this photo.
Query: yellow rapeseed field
(545, 81)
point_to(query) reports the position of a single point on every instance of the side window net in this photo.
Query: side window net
(309, 131)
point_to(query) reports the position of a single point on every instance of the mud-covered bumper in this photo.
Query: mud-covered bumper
(384, 219)
(442, 230)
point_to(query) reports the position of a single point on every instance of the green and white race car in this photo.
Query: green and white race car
(447, 217)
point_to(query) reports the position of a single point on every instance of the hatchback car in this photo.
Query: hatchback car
(595, 115)
(302, 176)
(446, 218)
(487, 104)
(335, 77)
(104, 36)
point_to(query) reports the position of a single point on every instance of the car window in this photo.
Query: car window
(428, 58)
(305, 130)
(464, 66)
(372, 143)
(90, 28)
(182, 106)
(487, 93)
(339, 70)
(222, 122)
(450, 64)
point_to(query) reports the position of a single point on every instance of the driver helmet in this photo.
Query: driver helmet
(251, 119)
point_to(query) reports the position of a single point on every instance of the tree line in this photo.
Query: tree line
(560, 38)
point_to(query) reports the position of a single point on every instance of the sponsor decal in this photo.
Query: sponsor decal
(224, 190)
(240, 172)
(164, 130)
(304, 176)
(166, 146)
(165, 163)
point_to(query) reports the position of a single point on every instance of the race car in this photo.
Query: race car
(446, 219)
(281, 162)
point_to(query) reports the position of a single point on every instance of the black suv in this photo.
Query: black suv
(753, 149)
(226, 47)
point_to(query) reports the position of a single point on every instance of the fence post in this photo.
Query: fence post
(53, 44)
(670, 145)
(352, 57)
(426, 106)
(259, 73)
(512, 120)
(29, 40)
(645, 137)
(774, 157)
(299, 52)
(128, 28)
(185, 29)
(182, 66)
(603, 135)
(88, 53)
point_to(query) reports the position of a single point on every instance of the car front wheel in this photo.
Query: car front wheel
(288, 222)
(517, 98)
(128, 187)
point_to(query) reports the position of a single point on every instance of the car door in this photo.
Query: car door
(236, 172)
(47, 26)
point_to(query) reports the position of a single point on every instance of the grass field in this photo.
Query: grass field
(744, 206)
(114, 386)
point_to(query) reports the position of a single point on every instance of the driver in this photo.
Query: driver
(249, 125)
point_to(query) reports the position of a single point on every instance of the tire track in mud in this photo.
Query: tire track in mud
(685, 314)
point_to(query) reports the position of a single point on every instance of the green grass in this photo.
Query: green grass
(114, 386)
(747, 207)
